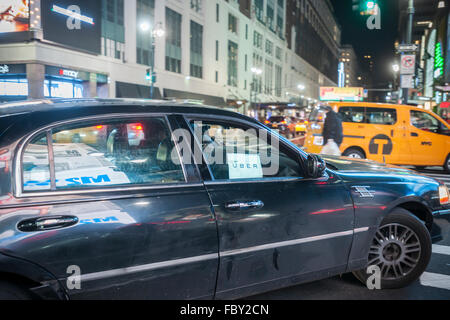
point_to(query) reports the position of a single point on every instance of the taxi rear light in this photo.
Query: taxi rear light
(99, 127)
(267, 122)
(444, 195)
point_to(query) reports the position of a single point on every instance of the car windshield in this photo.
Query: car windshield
(317, 115)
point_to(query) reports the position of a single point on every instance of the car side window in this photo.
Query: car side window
(36, 165)
(108, 153)
(424, 121)
(235, 152)
(352, 114)
(384, 116)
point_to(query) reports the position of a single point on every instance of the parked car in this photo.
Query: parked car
(395, 134)
(140, 213)
(299, 126)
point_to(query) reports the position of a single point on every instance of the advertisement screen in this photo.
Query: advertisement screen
(75, 23)
(341, 94)
(14, 15)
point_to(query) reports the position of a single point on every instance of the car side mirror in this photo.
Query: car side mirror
(315, 166)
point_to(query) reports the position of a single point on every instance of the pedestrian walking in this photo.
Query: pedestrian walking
(332, 133)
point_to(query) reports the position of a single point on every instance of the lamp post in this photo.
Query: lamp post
(255, 72)
(156, 32)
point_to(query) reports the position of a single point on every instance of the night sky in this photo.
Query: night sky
(378, 43)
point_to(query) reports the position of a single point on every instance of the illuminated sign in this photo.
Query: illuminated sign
(14, 15)
(4, 69)
(341, 94)
(74, 13)
(68, 73)
(438, 61)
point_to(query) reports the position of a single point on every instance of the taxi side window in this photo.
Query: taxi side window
(234, 152)
(352, 114)
(381, 116)
(424, 121)
(108, 153)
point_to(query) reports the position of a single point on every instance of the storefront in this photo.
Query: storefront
(58, 83)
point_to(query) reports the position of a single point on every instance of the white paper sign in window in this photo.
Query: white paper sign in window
(244, 166)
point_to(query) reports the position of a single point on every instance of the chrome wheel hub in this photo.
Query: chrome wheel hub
(395, 250)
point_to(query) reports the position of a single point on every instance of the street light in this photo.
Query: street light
(301, 87)
(156, 32)
(255, 72)
(395, 68)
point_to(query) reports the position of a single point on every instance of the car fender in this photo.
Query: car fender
(41, 282)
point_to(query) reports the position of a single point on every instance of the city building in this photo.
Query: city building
(352, 73)
(228, 53)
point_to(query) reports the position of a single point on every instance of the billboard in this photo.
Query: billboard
(354, 94)
(14, 15)
(75, 23)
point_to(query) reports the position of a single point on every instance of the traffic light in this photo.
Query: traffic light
(366, 7)
(150, 76)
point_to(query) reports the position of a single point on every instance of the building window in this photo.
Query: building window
(145, 12)
(269, 47)
(173, 41)
(217, 76)
(196, 5)
(232, 64)
(259, 10)
(217, 13)
(278, 53)
(278, 80)
(217, 50)
(232, 23)
(268, 86)
(196, 67)
(270, 15)
(113, 32)
(257, 40)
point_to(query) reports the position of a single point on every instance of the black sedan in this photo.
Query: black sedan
(116, 199)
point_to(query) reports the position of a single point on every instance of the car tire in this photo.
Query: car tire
(11, 291)
(388, 250)
(447, 164)
(354, 153)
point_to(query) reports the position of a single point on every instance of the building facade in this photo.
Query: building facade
(352, 73)
(228, 53)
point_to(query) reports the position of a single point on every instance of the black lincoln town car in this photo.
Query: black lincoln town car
(122, 199)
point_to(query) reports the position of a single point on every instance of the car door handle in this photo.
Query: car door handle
(242, 206)
(414, 134)
(47, 223)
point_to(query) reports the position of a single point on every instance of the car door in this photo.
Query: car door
(386, 135)
(428, 142)
(276, 227)
(108, 201)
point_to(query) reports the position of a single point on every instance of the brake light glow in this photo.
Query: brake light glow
(138, 127)
(267, 122)
(99, 127)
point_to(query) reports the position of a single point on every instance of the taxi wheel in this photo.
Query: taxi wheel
(354, 153)
(401, 249)
(447, 164)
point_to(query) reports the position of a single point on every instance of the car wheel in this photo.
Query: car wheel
(10, 291)
(447, 164)
(354, 153)
(401, 249)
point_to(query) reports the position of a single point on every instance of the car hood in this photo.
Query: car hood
(368, 169)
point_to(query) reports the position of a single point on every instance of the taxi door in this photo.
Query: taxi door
(386, 135)
(429, 143)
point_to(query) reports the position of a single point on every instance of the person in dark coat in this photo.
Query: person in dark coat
(332, 128)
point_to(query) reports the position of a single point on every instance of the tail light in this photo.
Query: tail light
(267, 122)
(137, 127)
(284, 122)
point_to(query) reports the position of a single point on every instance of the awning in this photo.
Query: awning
(132, 90)
(205, 99)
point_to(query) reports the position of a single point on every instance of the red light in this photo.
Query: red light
(284, 122)
(99, 127)
(139, 127)
(267, 122)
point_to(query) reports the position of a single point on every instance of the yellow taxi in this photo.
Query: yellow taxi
(394, 134)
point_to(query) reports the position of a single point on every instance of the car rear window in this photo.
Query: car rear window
(276, 119)
(106, 153)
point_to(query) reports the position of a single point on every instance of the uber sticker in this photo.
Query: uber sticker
(244, 166)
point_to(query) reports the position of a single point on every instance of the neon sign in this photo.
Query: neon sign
(73, 12)
(438, 61)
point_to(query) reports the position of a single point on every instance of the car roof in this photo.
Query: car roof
(373, 105)
(100, 106)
